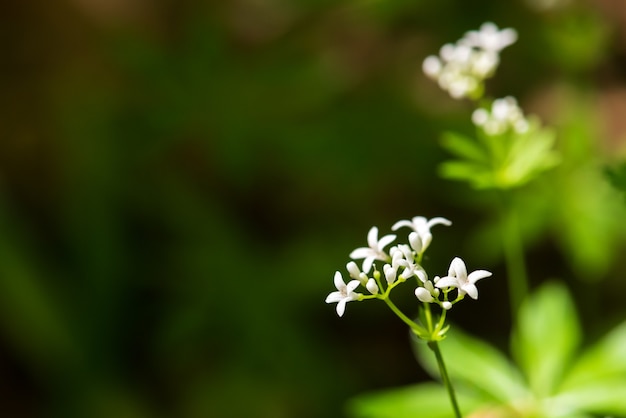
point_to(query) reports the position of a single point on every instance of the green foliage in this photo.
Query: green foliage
(550, 377)
(500, 161)
(617, 176)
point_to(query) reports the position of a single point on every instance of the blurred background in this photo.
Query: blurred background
(179, 181)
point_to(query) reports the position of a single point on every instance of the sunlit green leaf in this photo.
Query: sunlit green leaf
(546, 335)
(475, 364)
(604, 397)
(604, 360)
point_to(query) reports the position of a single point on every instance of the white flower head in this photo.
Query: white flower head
(374, 251)
(344, 294)
(421, 226)
(462, 68)
(505, 115)
(458, 278)
(490, 38)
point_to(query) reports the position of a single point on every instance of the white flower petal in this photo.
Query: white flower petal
(353, 284)
(334, 297)
(384, 241)
(458, 269)
(471, 290)
(339, 284)
(341, 306)
(372, 237)
(447, 281)
(362, 252)
(477, 275)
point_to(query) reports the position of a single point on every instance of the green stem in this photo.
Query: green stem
(446, 379)
(514, 258)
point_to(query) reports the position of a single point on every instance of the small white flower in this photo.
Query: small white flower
(344, 294)
(432, 66)
(490, 38)
(421, 226)
(402, 256)
(446, 305)
(458, 278)
(372, 286)
(374, 251)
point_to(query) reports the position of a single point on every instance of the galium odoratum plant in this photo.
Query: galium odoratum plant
(508, 150)
(382, 271)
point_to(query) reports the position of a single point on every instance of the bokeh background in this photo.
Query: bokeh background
(179, 181)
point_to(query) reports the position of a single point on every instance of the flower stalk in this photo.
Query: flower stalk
(433, 345)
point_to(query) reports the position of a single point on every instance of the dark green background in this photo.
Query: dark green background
(179, 181)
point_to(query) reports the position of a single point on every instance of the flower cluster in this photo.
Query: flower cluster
(505, 115)
(401, 263)
(462, 68)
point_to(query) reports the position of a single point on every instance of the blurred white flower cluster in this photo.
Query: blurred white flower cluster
(400, 263)
(462, 68)
(505, 114)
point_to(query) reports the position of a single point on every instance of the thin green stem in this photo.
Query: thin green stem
(514, 257)
(446, 379)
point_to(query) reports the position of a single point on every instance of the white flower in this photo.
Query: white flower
(344, 294)
(421, 226)
(490, 38)
(374, 251)
(432, 66)
(458, 278)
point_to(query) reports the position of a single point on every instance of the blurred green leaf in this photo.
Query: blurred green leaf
(464, 147)
(545, 337)
(604, 360)
(428, 400)
(605, 397)
(617, 176)
(475, 364)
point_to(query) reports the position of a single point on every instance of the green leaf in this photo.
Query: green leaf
(617, 176)
(605, 397)
(476, 364)
(605, 360)
(464, 147)
(478, 175)
(426, 400)
(546, 335)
